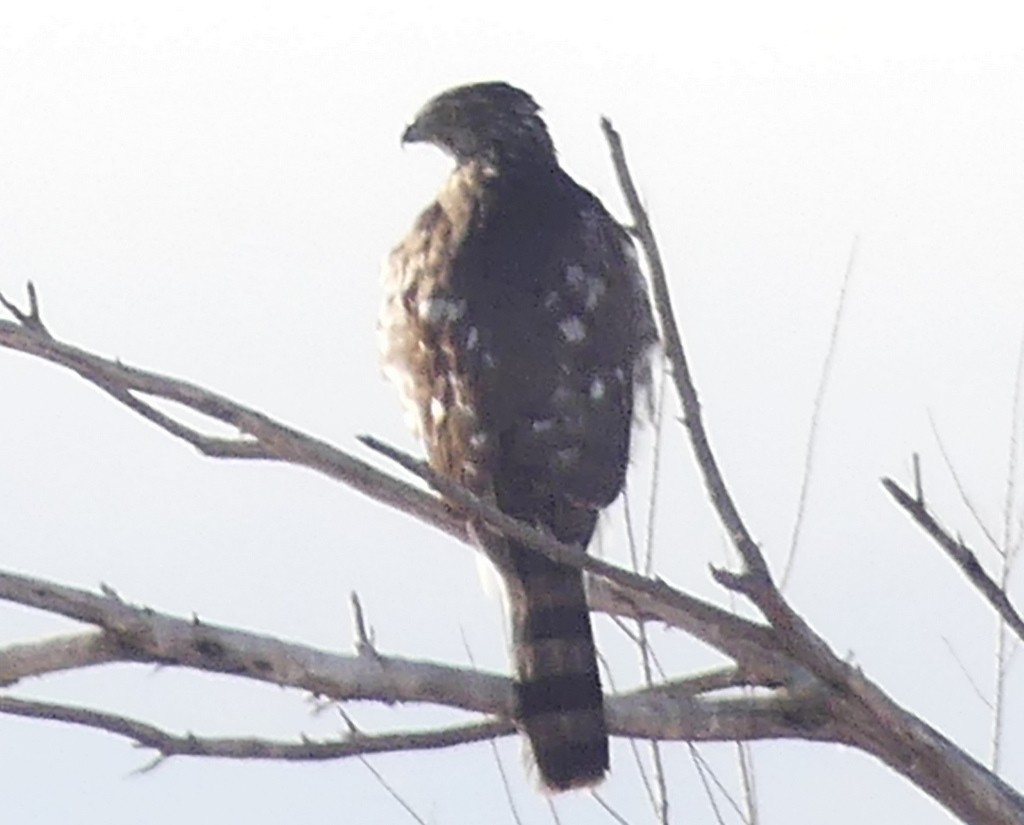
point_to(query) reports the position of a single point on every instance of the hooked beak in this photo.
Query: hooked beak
(413, 133)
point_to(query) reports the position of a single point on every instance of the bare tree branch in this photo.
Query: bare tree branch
(962, 555)
(167, 744)
(879, 725)
(137, 634)
(140, 634)
(265, 437)
(673, 343)
(54, 655)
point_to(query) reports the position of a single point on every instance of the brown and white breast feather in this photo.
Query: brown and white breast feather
(431, 349)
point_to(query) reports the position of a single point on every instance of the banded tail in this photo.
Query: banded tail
(560, 707)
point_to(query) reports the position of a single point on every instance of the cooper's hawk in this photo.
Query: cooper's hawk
(516, 326)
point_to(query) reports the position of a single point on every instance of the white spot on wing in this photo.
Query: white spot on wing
(597, 388)
(551, 300)
(437, 410)
(542, 425)
(435, 310)
(595, 288)
(573, 329)
(472, 338)
(591, 287)
(576, 276)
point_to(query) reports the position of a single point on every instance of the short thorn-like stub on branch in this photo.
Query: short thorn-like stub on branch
(744, 583)
(364, 639)
(31, 320)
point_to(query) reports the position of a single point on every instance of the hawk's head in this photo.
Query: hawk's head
(494, 122)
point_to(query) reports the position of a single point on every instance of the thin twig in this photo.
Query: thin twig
(662, 804)
(748, 776)
(364, 638)
(699, 758)
(608, 808)
(1012, 450)
(700, 765)
(502, 773)
(1007, 559)
(967, 674)
(659, 415)
(657, 793)
(634, 746)
(246, 448)
(819, 401)
(391, 791)
(355, 733)
(965, 498)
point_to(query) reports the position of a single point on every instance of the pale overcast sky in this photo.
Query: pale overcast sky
(209, 191)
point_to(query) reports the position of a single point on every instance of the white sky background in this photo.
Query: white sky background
(209, 193)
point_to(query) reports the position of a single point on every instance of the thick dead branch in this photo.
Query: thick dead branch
(136, 634)
(54, 655)
(140, 634)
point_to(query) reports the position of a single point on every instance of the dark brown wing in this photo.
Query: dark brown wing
(516, 324)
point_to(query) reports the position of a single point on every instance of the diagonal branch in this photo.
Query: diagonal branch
(756, 569)
(705, 621)
(266, 438)
(961, 554)
(754, 581)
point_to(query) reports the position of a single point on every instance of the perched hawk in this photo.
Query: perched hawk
(516, 325)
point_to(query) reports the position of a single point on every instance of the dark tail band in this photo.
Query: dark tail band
(559, 701)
